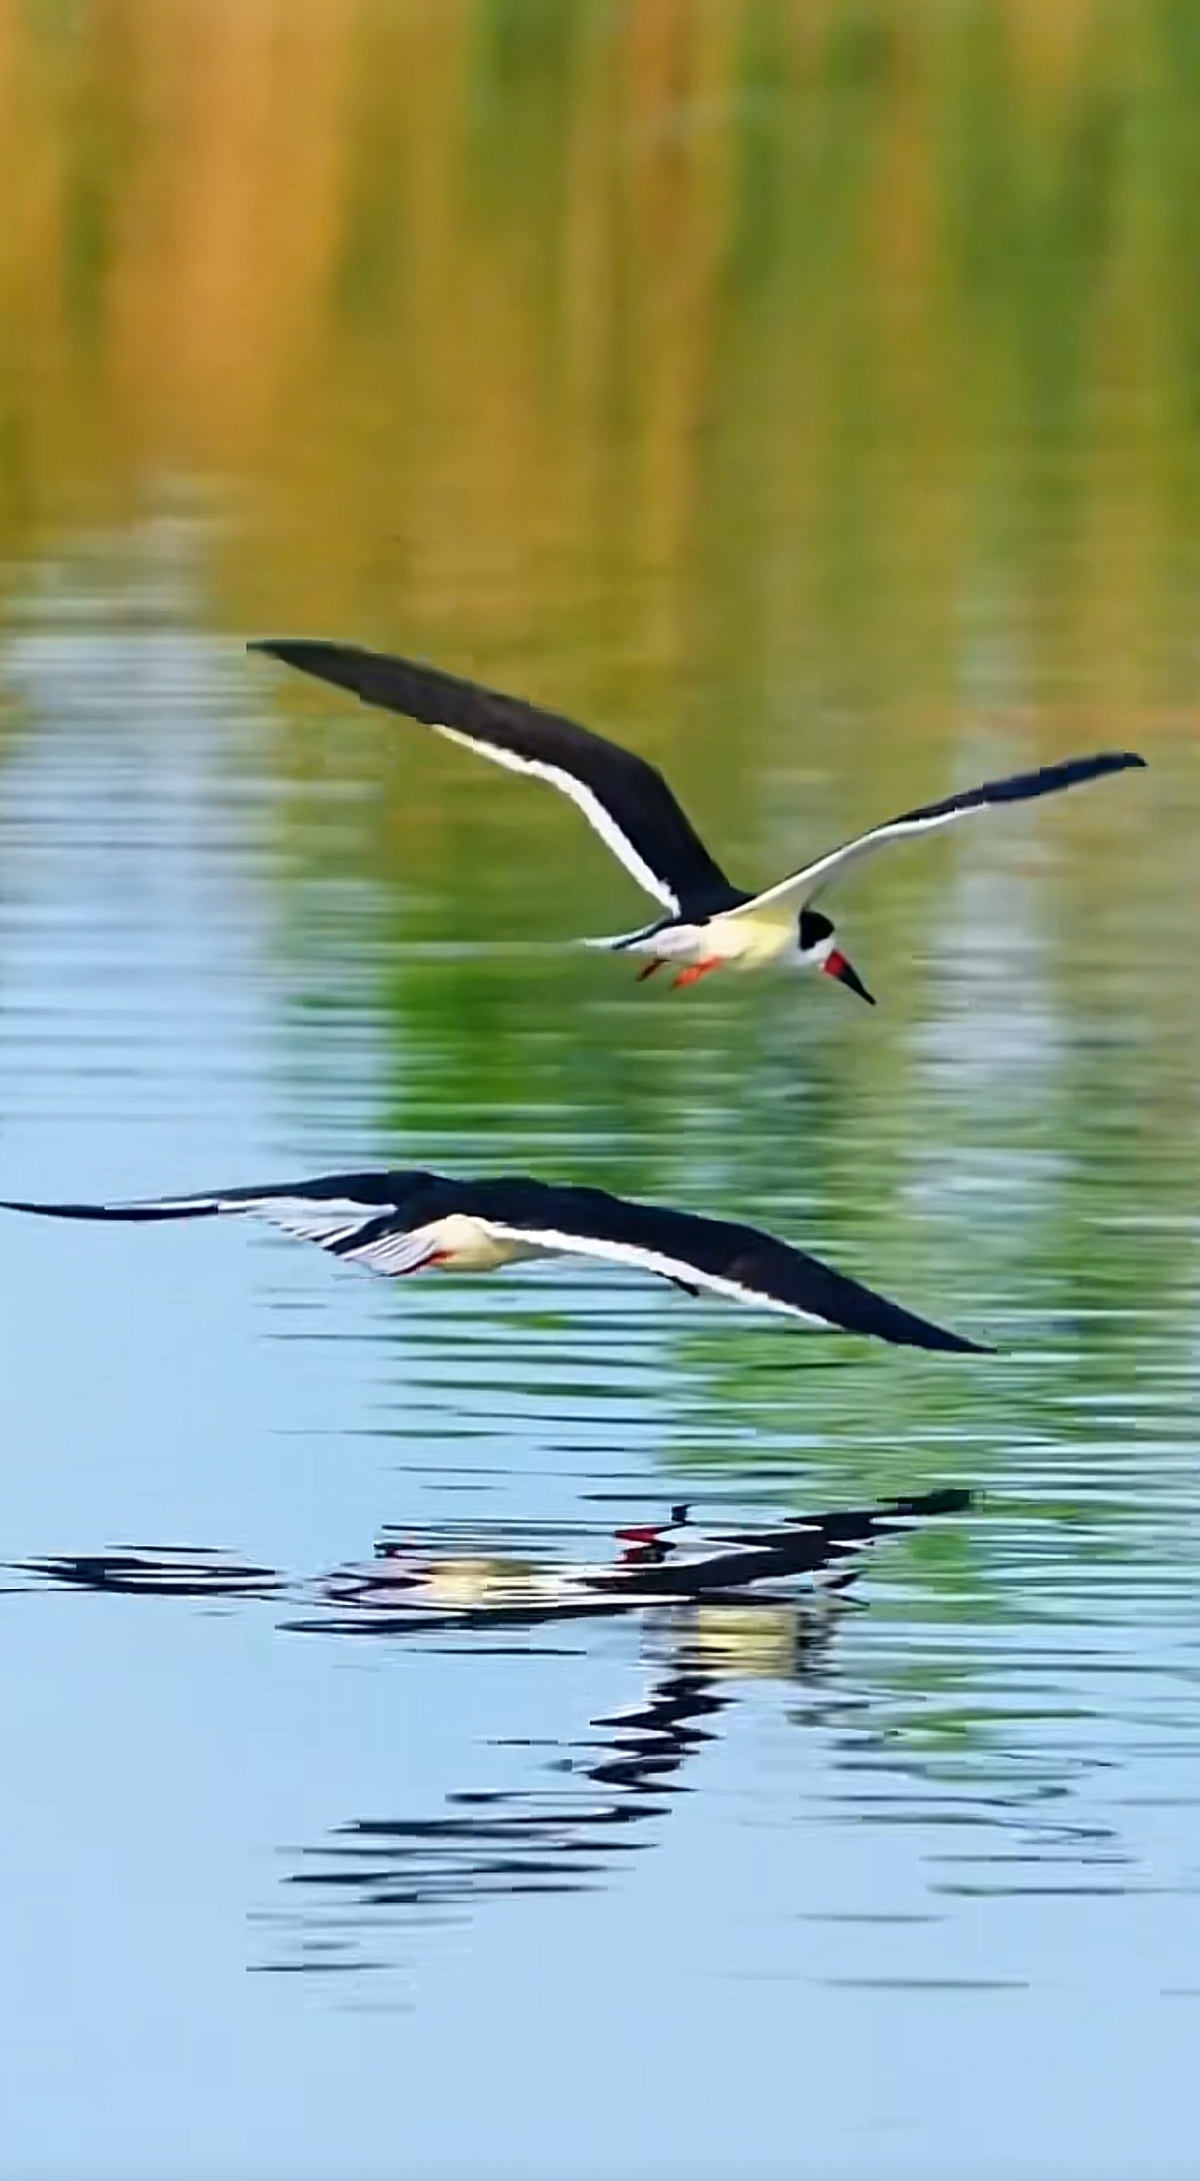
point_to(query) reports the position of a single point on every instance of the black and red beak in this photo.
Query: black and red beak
(649, 1533)
(643, 1544)
(836, 965)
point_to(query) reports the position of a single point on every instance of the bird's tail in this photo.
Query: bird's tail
(623, 942)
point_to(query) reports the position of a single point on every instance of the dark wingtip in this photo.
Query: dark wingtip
(142, 1213)
(938, 1337)
(1113, 761)
(57, 1211)
(346, 666)
(291, 649)
(946, 1499)
(951, 1499)
(1107, 760)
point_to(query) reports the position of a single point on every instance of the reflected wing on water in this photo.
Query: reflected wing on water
(378, 1872)
(168, 1571)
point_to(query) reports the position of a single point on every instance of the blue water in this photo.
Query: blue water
(905, 1886)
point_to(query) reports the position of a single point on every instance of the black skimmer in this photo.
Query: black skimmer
(709, 923)
(408, 1221)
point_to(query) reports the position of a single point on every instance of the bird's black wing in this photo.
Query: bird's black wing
(791, 894)
(741, 1262)
(372, 1219)
(624, 798)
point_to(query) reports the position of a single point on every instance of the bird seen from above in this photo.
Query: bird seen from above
(412, 1221)
(708, 923)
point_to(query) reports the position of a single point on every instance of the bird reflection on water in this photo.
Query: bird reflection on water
(164, 1571)
(445, 1581)
(375, 1876)
(409, 1589)
(718, 1607)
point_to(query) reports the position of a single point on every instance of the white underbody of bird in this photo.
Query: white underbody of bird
(707, 922)
(746, 941)
(458, 1243)
(404, 1221)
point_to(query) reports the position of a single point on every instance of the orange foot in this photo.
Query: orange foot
(649, 968)
(697, 969)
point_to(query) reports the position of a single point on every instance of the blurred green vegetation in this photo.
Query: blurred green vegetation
(683, 339)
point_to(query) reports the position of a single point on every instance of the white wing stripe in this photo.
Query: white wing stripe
(586, 799)
(804, 885)
(671, 1268)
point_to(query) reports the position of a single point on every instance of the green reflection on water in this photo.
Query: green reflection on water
(807, 394)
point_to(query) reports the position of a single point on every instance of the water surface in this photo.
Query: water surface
(809, 397)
